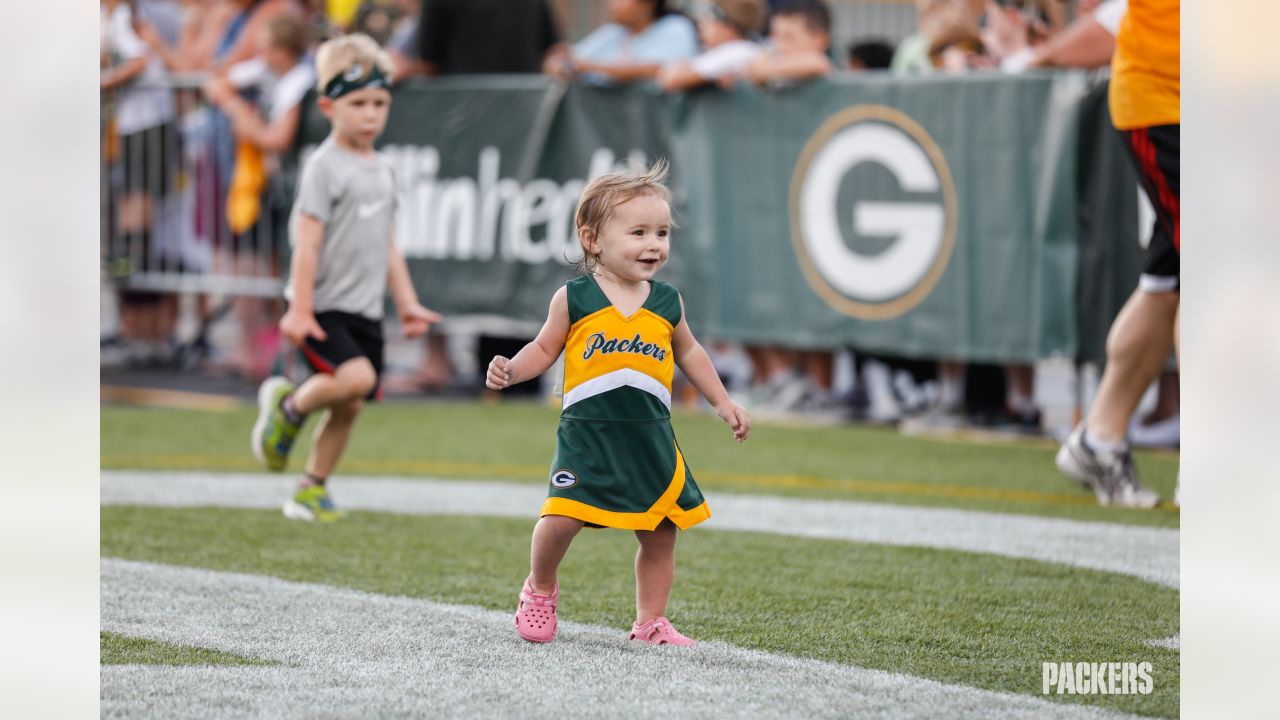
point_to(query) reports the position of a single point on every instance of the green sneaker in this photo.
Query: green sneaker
(311, 504)
(273, 434)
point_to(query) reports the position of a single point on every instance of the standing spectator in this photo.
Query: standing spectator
(143, 139)
(729, 30)
(940, 24)
(240, 38)
(281, 77)
(203, 24)
(799, 44)
(459, 37)
(640, 37)
(1089, 42)
(1144, 98)
(378, 19)
(257, 209)
(402, 45)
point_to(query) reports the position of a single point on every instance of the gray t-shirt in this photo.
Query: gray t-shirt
(354, 196)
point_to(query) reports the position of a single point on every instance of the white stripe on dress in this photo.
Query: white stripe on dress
(617, 379)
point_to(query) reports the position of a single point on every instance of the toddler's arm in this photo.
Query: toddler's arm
(299, 322)
(696, 365)
(534, 358)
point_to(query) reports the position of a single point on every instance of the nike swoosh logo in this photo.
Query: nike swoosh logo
(368, 210)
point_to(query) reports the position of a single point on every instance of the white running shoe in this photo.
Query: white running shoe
(1111, 475)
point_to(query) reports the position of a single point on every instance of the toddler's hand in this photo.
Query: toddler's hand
(733, 413)
(499, 376)
(298, 326)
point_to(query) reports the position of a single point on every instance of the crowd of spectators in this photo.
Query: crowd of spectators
(247, 66)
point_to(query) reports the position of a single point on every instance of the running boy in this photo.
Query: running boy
(617, 463)
(344, 260)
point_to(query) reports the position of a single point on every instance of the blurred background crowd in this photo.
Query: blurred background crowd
(201, 100)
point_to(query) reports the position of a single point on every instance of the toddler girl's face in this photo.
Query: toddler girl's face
(634, 243)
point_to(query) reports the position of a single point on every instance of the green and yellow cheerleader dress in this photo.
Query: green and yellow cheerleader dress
(617, 463)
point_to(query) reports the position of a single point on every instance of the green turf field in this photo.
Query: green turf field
(514, 441)
(116, 649)
(962, 618)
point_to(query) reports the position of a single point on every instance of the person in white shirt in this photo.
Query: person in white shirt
(282, 76)
(729, 30)
(140, 152)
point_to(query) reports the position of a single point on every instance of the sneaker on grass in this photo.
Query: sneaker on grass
(274, 433)
(1111, 475)
(312, 504)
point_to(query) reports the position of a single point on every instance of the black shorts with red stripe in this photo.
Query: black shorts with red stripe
(1155, 152)
(348, 337)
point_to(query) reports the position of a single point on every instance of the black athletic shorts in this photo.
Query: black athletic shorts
(1155, 152)
(349, 337)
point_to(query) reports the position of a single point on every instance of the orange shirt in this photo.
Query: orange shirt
(1145, 80)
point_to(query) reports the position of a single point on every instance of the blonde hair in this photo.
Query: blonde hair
(337, 56)
(608, 191)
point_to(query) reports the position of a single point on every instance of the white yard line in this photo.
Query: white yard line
(1147, 553)
(360, 655)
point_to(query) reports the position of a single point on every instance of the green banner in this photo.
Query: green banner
(919, 217)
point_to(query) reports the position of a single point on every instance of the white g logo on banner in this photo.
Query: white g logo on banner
(563, 479)
(887, 284)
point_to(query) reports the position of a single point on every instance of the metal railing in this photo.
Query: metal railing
(164, 185)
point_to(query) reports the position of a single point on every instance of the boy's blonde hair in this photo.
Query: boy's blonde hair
(608, 191)
(340, 54)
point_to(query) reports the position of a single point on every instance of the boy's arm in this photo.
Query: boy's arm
(299, 322)
(247, 124)
(414, 318)
(801, 66)
(534, 358)
(693, 360)
(675, 77)
(619, 72)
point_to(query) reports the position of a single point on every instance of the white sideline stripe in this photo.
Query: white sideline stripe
(356, 654)
(1147, 553)
(1173, 642)
(616, 379)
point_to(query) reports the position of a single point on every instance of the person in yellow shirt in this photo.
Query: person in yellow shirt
(1144, 98)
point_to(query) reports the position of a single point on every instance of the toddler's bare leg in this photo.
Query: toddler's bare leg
(655, 570)
(551, 538)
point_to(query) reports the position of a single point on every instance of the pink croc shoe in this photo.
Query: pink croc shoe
(658, 631)
(536, 614)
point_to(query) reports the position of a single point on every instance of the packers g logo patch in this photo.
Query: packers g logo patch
(873, 212)
(563, 479)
